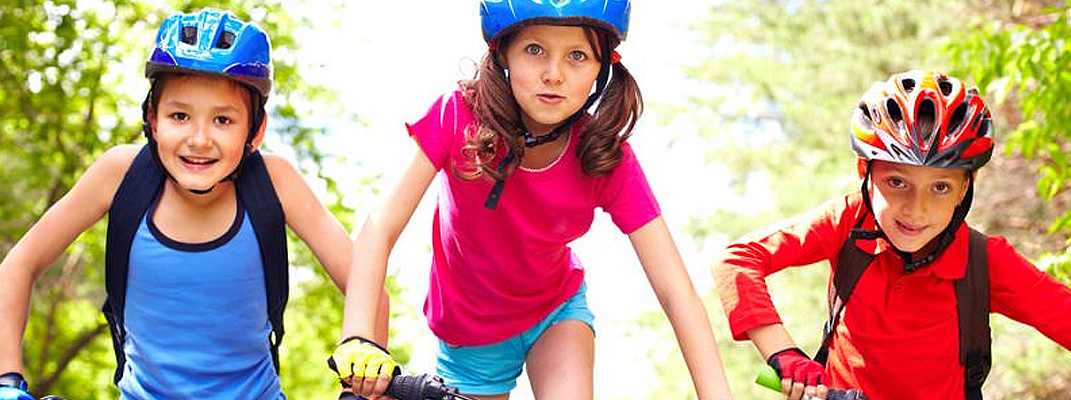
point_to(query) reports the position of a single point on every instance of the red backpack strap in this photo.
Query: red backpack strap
(972, 302)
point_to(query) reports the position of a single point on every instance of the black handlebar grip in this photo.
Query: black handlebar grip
(419, 387)
(846, 395)
(414, 387)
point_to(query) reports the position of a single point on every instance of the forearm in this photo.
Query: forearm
(769, 339)
(365, 284)
(15, 289)
(699, 347)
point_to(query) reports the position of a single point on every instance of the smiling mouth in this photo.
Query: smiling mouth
(198, 161)
(910, 229)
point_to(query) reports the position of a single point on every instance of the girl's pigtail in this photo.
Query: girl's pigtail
(612, 124)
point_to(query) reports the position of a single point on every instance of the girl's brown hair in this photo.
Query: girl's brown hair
(499, 129)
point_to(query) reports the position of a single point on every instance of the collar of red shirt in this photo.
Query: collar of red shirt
(951, 264)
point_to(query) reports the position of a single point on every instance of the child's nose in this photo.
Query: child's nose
(552, 73)
(199, 136)
(915, 203)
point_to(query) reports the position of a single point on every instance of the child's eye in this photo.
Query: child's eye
(578, 55)
(179, 116)
(533, 49)
(223, 120)
(896, 183)
(942, 187)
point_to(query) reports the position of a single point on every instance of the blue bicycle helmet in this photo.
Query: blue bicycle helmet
(610, 15)
(213, 42)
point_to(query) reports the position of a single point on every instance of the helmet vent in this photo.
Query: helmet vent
(225, 40)
(908, 84)
(946, 87)
(866, 112)
(189, 34)
(926, 120)
(895, 115)
(955, 122)
(984, 129)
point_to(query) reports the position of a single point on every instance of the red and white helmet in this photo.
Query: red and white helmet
(924, 119)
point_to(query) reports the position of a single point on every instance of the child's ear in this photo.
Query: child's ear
(860, 167)
(259, 138)
(150, 117)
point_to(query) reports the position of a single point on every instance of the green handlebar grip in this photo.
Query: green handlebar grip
(768, 378)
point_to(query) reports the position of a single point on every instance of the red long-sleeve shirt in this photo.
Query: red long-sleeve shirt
(899, 335)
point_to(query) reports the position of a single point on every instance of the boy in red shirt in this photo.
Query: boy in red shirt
(920, 137)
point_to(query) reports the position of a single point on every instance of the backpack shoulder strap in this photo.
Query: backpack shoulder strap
(972, 302)
(851, 263)
(258, 195)
(139, 187)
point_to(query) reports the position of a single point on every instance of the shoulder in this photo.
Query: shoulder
(119, 158)
(110, 168)
(99, 184)
(283, 173)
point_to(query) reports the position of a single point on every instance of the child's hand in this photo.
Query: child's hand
(13, 386)
(798, 373)
(363, 365)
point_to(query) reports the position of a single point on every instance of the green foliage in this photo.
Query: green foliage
(789, 73)
(1023, 63)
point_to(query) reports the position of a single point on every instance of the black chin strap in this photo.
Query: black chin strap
(943, 240)
(532, 141)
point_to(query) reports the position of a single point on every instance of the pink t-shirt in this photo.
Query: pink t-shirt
(496, 273)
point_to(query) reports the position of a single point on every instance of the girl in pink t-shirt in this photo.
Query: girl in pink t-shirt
(524, 166)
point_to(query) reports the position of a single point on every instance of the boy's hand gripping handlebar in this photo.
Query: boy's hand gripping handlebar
(768, 378)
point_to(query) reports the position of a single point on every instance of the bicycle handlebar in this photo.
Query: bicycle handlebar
(768, 378)
(402, 387)
(416, 387)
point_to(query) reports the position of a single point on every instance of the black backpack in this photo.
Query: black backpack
(972, 302)
(136, 193)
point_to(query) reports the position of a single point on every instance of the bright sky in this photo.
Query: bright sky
(391, 59)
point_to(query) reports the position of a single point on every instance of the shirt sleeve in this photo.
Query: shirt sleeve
(627, 196)
(1018, 289)
(437, 128)
(740, 276)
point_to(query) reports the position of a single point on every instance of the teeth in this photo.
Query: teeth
(197, 161)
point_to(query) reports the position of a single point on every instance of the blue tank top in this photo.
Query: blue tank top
(196, 318)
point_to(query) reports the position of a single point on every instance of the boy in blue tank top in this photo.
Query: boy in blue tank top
(197, 272)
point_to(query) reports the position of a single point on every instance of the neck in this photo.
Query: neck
(183, 196)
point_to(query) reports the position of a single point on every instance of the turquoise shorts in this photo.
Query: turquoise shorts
(493, 369)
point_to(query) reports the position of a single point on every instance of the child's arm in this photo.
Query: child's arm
(668, 277)
(310, 220)
(371, 251)
(75, 212)
(1018, 287)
